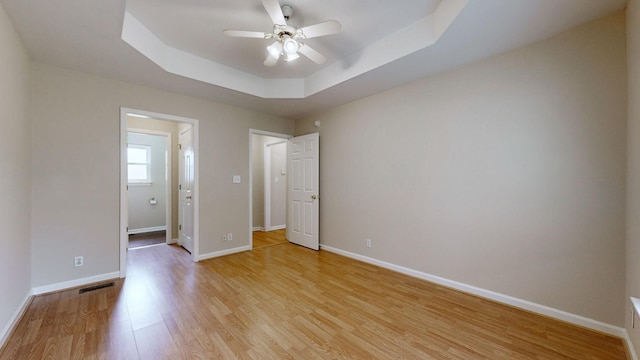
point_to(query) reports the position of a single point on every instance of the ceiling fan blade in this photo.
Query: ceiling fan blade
(271, 60)
(313, 55)
(275, 12)
(321, 29)
(246, 34)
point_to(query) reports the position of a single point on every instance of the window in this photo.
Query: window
(139, 163)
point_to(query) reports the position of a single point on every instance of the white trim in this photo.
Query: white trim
(266, 170)
(124, 199)
(172, 241)
(15, 318)
(631, 351)
(257, 228)
(146, 230)
(75, 283)
(491, 295)
(141, 184)
(277, 227)
(216, 254)
(251, 133)
(635, 302)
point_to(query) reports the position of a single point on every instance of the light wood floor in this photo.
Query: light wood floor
(286, 302)
(269, 238)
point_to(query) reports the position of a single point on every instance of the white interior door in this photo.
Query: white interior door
(303, 159)
(186, 175)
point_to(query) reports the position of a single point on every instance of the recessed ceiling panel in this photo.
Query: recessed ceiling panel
(369, 39)
(196, 26)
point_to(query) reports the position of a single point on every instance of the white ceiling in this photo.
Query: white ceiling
(88, 36)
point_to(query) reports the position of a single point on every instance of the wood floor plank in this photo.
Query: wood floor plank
(154, 342)
(263, 239)
(286, 302)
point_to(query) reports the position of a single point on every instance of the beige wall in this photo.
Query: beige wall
(76, 134)
(257, 178)
(170, 127)
(15, 182)
(508, 174)
(633, 166)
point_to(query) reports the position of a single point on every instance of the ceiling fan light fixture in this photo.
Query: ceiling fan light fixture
(287, 37)
(290, 46)
(275, 49)
(291, 57)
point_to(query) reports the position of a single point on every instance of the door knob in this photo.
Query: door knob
(314, 197)
(188, 197)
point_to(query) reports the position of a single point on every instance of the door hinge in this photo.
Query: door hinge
(180, 187)
(127, 187)
(127, 229)
(180, 227)
(179, 146)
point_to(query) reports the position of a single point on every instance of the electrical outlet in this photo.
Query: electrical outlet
(229, 236)
(368, 243)
(78, 261)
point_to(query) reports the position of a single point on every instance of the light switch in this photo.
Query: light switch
(236, 179)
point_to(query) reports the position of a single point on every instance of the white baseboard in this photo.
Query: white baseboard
(278, 227)
(17, 315)
(629, 346)
(491, 295)
(173, 241)
(75, 283)
(216, 254)
(146, 230)
(257, 228)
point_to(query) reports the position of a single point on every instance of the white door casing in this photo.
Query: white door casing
(303, 192)
(186, 179)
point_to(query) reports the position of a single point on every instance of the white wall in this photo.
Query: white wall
(143, 214)
(15, 170)
(633, 167)
(76, 134)
(508, 174)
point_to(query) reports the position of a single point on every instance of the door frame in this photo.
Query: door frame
(124, 215)
(251, 133)
(267, 186)
(168, 167)
(182, 187)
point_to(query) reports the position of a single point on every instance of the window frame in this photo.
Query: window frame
(147, 164)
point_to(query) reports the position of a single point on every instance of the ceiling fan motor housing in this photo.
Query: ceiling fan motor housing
(287, 11)
(281, 30)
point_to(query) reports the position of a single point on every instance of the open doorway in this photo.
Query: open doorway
(141, 123)
(149, 170)
(268, 172)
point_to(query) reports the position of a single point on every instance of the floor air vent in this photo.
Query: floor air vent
(96, 287)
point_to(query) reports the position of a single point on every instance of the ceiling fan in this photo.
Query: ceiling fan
(288, 40)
